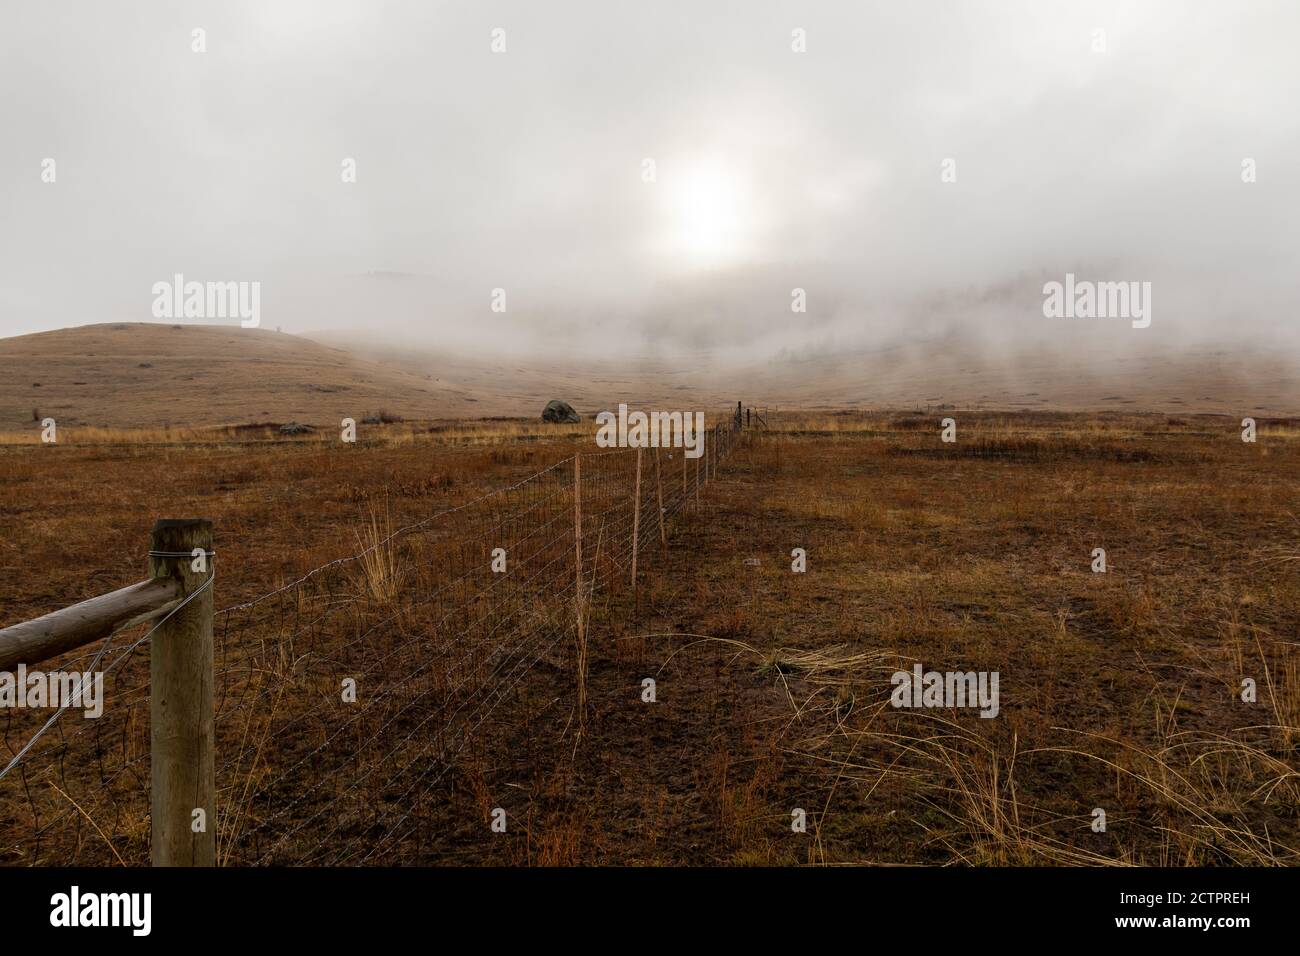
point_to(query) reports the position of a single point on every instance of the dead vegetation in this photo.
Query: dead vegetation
(1122, 692)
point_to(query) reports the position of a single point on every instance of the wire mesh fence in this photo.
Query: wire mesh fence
(343, 699)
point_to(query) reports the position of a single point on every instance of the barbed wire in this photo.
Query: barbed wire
(63, 708)
(422, 608)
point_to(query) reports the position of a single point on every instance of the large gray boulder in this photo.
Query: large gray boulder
(561, 412)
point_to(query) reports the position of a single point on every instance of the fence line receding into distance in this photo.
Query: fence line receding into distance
(314, 724)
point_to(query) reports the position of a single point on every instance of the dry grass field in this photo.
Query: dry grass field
(1119, 691)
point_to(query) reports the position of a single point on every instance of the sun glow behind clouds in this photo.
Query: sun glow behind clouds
(710, 215)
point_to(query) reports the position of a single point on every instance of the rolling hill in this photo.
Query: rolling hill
(152, 374)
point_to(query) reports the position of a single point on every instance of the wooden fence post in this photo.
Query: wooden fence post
(579, 601)
(636, 525)
(704, 458)
(577, 593)
(180, 702)
(659, 493)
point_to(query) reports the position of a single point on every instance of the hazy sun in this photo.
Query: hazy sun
(708, 212)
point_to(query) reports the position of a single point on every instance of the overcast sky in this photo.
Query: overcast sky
(774, 169)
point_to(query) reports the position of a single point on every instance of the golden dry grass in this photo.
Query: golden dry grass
(1120, 691)
(143, 375)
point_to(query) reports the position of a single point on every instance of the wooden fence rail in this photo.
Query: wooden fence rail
(178, 594)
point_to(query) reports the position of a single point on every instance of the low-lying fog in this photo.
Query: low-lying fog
(659, 179)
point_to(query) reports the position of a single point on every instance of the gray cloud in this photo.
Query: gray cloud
(775, 170)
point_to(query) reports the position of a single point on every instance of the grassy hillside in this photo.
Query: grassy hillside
(149, 374)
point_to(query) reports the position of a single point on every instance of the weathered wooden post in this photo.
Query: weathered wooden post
(184, 810)
(636, 526)
(577, 593)
(659, 493)
(703, 468)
